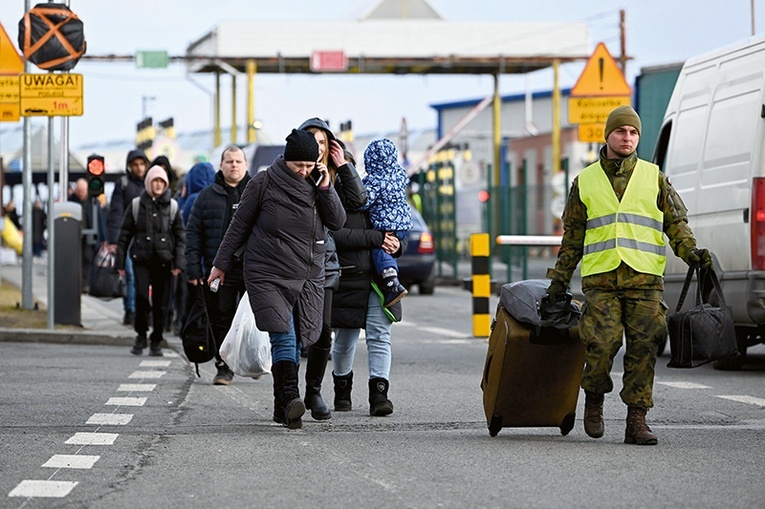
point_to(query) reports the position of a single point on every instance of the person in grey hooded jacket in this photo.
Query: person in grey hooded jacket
(283, 230)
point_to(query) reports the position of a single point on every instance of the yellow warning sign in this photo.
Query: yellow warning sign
(601, 76)
(592, 110)
(591, 133)
(10, 60)
(9, 99)
(51, 95)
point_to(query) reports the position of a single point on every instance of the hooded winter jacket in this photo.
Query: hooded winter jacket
(284, 257)
(125, 189)
(156, 237)
(199, 176)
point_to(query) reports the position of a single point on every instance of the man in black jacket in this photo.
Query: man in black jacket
(126, 188)
(207, 224)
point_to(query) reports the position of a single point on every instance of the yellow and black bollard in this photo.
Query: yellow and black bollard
(481, 283)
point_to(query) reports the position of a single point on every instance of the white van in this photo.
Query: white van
(712, 146)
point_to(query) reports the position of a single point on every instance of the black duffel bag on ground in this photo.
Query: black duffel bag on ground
(704, 333)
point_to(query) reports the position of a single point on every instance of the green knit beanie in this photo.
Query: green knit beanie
(623, 115)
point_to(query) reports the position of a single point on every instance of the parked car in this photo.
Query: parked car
(417, 265)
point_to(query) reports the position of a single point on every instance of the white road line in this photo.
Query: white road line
(685, 385)
(110, 419)
(745, 399)
(126, 401)
(48, 489)
(136, 387)
(71, 461)
(92, 439)
(155, 364)
(443, 332)
(147, 374)
(454, 341)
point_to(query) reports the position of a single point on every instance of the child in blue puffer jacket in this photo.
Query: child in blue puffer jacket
(386, 183)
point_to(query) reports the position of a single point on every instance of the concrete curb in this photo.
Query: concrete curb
(80, 337)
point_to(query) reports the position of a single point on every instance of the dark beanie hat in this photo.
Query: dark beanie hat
(623, 115)
(301, 146)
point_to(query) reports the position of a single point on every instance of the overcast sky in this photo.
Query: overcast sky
(657, 32)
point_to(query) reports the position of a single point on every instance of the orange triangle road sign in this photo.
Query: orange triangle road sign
(601, 76)
(11, 62)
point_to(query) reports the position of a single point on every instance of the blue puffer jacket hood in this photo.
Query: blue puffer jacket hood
(381, 158)
(199, 176)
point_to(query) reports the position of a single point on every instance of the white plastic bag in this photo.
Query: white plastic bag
(246, 349)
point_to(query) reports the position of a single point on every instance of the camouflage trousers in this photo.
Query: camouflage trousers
(607, 316)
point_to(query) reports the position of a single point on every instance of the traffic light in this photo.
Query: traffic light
(483, 196)
(95, 175)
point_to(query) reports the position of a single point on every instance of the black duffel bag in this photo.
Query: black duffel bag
(704, 333)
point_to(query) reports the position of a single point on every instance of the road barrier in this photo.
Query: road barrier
(480, 282)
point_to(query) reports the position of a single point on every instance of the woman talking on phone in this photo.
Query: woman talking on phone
(281, 220)
(342, 172)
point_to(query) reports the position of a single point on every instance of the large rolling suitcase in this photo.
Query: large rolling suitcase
(532, 374)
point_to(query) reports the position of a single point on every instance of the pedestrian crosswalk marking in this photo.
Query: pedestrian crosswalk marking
(47, 489)
(684, 385)
(147, 374)
(443, 332)
(110, 419)
(136, 387)
(71, 461)
(126, 401)
(745, 399)
(92, 439)
(155, 364)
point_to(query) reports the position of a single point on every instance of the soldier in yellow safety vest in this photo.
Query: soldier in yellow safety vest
(617, 213)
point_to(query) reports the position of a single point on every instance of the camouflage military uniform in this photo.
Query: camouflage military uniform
(622, 300)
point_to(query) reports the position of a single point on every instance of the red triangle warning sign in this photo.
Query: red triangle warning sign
(11, 62)
(601, 76)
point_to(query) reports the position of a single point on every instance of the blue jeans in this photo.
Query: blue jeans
(128, 301)
(378, 343)
(384, 260)
(284, 345)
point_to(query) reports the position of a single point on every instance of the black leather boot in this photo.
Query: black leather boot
(314, 375)
(139, 345)
(379, 404)
(287, 394)
(343, 386)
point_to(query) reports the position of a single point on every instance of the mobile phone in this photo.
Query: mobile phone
(316, 176)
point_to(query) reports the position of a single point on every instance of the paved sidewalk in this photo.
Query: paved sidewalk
(101, 319)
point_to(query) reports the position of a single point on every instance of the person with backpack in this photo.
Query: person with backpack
(126, 188)
(209, 216)
(153, 223)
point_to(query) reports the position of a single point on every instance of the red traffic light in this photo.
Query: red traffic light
(96, 165)
(483, 196)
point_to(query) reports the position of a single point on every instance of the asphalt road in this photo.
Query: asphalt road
(146, 432)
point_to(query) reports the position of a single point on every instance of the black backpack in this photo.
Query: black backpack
(196, 334)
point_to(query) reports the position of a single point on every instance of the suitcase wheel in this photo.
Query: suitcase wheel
(568, 424)
(495, 425)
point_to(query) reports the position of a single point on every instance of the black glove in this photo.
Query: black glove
(700, 256)
(556, 292)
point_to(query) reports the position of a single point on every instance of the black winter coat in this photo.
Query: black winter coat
(354, 241)
(284, 258)
(125, 189)
(210, 216)
(156, 237)
(353, 196)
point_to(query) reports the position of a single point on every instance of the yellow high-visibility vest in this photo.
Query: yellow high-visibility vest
(630, 230)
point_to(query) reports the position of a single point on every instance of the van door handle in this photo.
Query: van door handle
(746, 216)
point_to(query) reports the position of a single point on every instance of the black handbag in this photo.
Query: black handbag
(105, 281)
(704, 333)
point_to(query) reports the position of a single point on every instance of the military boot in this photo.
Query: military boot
(637, 431)
(593, 414)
